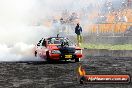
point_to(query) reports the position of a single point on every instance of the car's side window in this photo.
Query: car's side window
(51, 41)
(40, 42)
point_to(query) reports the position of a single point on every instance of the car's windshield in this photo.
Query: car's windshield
(59, 41)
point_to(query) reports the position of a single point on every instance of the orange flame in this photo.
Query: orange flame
(81, 71)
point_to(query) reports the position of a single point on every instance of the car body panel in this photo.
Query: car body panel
(56, 51)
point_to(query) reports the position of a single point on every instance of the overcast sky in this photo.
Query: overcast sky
(24, 11)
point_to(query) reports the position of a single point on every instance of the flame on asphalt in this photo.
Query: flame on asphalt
(81, 71)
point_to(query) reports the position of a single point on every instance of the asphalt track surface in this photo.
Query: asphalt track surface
(62, 74)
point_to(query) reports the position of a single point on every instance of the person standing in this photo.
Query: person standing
(78, 31)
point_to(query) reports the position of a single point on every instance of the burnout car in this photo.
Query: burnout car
(57, 48)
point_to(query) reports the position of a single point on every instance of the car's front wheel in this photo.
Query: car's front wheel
(77, 59)
(47, 57)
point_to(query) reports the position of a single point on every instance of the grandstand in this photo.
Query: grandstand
(113, 20)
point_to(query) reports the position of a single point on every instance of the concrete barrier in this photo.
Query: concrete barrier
(94, 39)
(109, 53)
(108, 39)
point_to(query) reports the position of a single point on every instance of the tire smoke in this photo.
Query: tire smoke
(21, 24)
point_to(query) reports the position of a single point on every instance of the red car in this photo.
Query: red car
(57, 48)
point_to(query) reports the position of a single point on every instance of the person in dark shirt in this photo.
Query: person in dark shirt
(78, 31)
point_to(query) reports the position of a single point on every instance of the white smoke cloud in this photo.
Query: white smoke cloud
(17, 19)
(18, 52)
(18, 44)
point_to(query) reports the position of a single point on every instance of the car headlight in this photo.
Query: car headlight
(55, 52)
(78, 52)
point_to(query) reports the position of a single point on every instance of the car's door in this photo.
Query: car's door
(43, 49)
(39, 47)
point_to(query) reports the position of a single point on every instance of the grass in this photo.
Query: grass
(107, 46)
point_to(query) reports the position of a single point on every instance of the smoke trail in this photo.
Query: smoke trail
(18, 52)
(22, 23)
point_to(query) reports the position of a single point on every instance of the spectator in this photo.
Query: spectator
(78, 31)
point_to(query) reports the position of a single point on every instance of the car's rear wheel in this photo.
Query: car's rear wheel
(35, 53)
(77, 59)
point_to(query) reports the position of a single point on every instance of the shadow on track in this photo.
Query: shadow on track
(46, 62)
